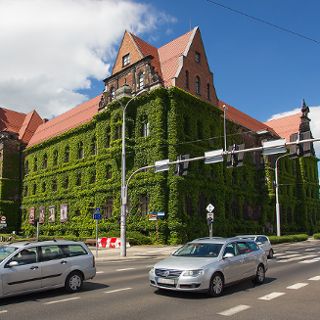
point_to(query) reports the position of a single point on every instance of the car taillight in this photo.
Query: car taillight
(93, 261)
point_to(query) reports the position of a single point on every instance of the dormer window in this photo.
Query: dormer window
(197, 57)
(126, 60)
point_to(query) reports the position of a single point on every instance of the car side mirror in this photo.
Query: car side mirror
(228, 255)
(259, 243)
(12, 264)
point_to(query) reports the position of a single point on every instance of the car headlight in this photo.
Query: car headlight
(192, 273)
(152, 270)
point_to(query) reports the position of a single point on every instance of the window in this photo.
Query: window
(208, 91)
(107, 141)
(112, 93)
(45, 161)
(54, 185)
(26, 167)
(108, 172)
(35, 164)
(118, 132)
(197, 85)
(80, 150)
(44, 186)
(126, 60)
(66, 182)
(34, 191)
(197, 57)
(73, 250)
(26, 256)
(55, 157)
(145, 129)
(78, 179)
(109, 205)
(144, 205)
(67, 154)
(25, 191)
(231, 248)
(92, 177)
(199, 130)
(141, 81)
(187, 79)
(51, 253)
(93, 147)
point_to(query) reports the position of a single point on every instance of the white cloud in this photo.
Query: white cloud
(51, 48)
(314, 115)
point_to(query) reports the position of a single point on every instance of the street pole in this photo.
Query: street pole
(38, 229)
(277, 194)
(210, 230)
(96, 238)
(123, 214)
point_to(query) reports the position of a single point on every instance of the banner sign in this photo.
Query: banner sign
(31, 215)
(63, 213)
(52, 214)
(41, 215)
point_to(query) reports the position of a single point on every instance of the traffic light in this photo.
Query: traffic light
(235, 159)
(182, 168)
(300, 149)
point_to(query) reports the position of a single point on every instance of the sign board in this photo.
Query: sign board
(97, 216)
(3, 219)
(210, 207)
(153, 217)
(210, 215)
(161, 214)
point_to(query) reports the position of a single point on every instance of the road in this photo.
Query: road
(121, 291)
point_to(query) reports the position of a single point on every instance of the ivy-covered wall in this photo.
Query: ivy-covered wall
(81, 169)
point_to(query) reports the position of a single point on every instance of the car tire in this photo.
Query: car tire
(270, 255)
(216, 285)
(74, 282)
(260, 274)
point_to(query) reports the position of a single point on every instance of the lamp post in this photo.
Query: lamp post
(277, 194)
(123, 249)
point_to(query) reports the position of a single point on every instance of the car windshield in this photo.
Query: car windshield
(199, 250)
(5, 251)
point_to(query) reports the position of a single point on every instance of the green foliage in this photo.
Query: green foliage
(316, 236)
(289, 238)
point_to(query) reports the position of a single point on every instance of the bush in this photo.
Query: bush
(316, 236)
(288, 238)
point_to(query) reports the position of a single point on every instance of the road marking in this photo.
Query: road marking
(99, 272)
(62, 300)
(310, 261)
(290, 256)
(298, 285)
(310, 249)
(279, 254)
(290, 251)
(299, 258)
(125, 269)
(232, 311)
(316, 278)
(3, 311)
(271, 296)
(117, 290)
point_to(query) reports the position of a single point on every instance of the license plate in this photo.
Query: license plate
(166, 281)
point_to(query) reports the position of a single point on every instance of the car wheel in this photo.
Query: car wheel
(270, 255)
(260, 274)
(74, 282)
(216, 285)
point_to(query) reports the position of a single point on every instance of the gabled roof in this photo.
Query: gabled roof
(24, 125)
(286, 126)
(71, 119)
(239, 117)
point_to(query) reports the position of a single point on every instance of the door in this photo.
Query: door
(53, 266)
(249, 259)
(25, 276)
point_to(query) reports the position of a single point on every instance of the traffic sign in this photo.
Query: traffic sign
(161, 214)
(97, 216)
(210, 215)
(210, 207)
(3, 219)
(153, 217)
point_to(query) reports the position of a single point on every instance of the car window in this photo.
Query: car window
(5, 251)
(73, 250)
(26, 256)
(253, 246)
(199, 250)
(231, 248)
(243, 247)
(51, 252)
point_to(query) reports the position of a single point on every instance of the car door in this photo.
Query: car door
(25, 276)
(264, 244)
(249, 259)
(233, 266)
(53, 266)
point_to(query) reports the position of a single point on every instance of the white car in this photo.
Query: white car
(262, 241)
(35, 266)
(210, 264)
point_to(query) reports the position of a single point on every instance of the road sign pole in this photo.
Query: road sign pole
(210, 230)
(96, 238)
(38, 230)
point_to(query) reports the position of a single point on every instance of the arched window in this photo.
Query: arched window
(107, 141)
(109, 206)
(141, 81)
(92, 177)
(80, 150)
(55, 157)
(197, 85)
(44, 186)
(35, 164)
(54, 185)
(108, 172)
(66, 182)
(144, 204)
(45, 161)
(34, 191)
(93, 147)
(78, 179)
(67, 154)
(208, 91)
(187, 79)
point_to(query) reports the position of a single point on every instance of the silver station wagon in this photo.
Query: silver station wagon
(210, 264)
(35, 266)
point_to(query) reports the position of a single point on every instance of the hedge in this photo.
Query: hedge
(288, 238)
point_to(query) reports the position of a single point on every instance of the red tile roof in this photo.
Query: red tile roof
(286, 126)
(30, 124)
(239, 117)
(71, 119)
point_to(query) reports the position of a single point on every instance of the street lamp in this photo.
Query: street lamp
(277, 194)
(123, 249)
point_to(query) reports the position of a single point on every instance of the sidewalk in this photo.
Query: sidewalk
(135, 252)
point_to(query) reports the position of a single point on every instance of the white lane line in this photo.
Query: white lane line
(299, 258)
(234, 310)
(279, 254)
(271, 296)
(125, 269)
(298, 285)
(3, 311)
(290, 251)
(310, 261)
(290, 256)
(316, 278)
(99, 272)
(62, 300)
(310, 249)
(117, 290)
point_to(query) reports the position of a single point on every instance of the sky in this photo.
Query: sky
(54, 54)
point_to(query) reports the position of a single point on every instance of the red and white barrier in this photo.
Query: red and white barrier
(105, 242)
